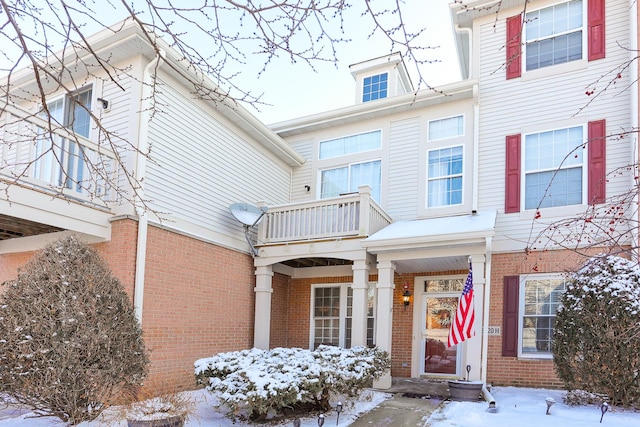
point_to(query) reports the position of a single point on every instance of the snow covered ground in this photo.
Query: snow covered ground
(527, 408)
(516, 406)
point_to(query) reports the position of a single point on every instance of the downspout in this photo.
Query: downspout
(635, 160)
(476, 151)
(469, 33)
(141, 165)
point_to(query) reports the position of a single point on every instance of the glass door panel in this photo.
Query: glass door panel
(438, 358)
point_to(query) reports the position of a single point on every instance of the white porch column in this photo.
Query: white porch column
(384, 315)
(359, 302)
(473, 352)
(262, 321)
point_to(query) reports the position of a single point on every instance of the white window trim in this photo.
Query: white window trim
(373, 75)
(356, 153)
(347, 165)
(585, 40)
(521, 287)
(444, 118)
(426, 190)
(343, 311)
(585, 173)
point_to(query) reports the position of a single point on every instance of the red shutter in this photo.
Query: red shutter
(510, 316)
(596, 149)
(514, 46)
(595, 15)
(512, 178)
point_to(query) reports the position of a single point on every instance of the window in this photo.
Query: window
(370, 316)
(444, 180)
(374, 87)
(446, 128)
(543, 146)
(553, 35)
(347, 179)
(61, 161)
(350, 144)
(332, 315)
(553, 168)
(540, 299)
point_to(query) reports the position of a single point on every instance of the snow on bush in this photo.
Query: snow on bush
(69, 340)
(596, 342)
(260, 384)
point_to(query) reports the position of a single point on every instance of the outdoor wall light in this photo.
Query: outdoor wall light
(406, 296)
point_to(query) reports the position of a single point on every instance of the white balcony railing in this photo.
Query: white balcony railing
(52, 158)
(353, 215)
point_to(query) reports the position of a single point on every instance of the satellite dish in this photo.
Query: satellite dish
(249, 216)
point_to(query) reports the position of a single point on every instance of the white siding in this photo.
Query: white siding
(402, 186)
(552, 97)
(121, 119)
(303, 175)
(199, 166)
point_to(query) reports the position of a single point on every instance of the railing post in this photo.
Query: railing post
(262, 227)
(365, 210)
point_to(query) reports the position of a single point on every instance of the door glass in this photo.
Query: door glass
(438, 359)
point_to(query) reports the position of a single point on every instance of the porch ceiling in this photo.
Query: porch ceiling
(12, 227)
(316, 262)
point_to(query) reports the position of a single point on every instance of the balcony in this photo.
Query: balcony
(51, 158)
(51, 180)
(349, 216)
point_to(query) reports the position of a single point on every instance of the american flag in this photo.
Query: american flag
(462, 325)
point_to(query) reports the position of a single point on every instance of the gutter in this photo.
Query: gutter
(141, 165)
(633, 69)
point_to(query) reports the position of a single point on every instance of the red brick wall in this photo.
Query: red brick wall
(402, 331)
(9, 265)
(512, 370)
(198, 301)
(279, 303)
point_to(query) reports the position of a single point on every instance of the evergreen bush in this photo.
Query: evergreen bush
(282, 382)
(69, 340)
(596, 347)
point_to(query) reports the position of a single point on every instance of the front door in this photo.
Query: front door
(439, 303)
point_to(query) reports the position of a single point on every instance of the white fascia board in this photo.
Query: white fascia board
(383, 107)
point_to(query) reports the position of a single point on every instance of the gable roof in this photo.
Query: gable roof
(127, 39)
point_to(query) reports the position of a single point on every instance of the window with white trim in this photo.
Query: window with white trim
(449, 127)
(351, 144)
(347, 179)
(331, 315)
(375, 87)
(62, 163)
(554, 35)
(444, 176)
(539, 301)
(553, 168)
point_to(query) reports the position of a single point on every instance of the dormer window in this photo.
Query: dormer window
(375, 87)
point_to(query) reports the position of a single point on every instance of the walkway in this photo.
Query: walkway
(412, 403)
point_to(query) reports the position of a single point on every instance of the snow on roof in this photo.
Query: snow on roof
(480, 224)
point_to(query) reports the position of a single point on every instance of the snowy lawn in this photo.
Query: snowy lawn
(206, 415)
(527, 408)
(516, 406)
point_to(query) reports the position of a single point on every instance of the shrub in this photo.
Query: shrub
(257, 384)
(595, 348)
(69, 340)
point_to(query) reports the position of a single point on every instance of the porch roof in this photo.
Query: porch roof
(451, 230)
